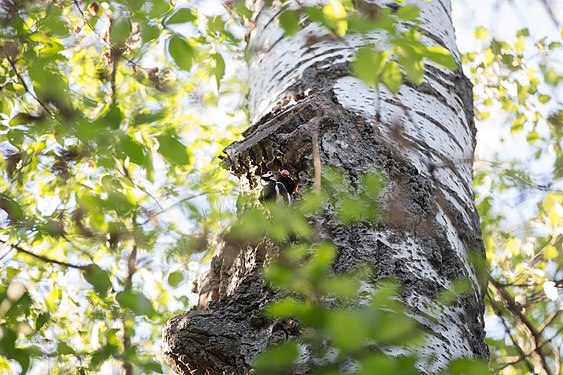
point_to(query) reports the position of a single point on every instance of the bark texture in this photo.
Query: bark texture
(422, 139)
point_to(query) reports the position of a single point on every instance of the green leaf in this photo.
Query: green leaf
(181, 51)
(149, 32)
(289, 21)
(408, 12)
(98, 278)
(54, 23)
(64, 349)
(111, 119)
(369, 64)
(347, 329)
(336, 17)
(23, 358)
(120, 31)
(147, 117)
(392, 76)
(12, 208)
(525, 32)
(413, 67)
(16, 137)
(441, 56)
(136, 302)
(151, 367)
(132, 149)
(175, 278)
(159, 8)
(532, 137)
(219, 68)
(173, 150)
(181, 15)
(53, 299)
(481, 33)
(287, 308)
(544, 98)
(464, 366)
(101, 355)
(277, 358)
(314, 14)
(41, 320)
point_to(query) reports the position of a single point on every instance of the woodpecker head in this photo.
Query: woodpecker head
(277, 187)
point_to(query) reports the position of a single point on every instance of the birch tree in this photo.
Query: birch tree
(113, 113)
(358, 92)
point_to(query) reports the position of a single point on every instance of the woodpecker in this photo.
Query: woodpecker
(275, 189)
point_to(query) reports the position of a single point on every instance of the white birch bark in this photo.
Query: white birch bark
(432, 127)
(422, 139)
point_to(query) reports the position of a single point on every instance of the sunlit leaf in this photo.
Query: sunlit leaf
(181, 51)
(408, 12)
(289, 21)
(173, 150)
(392, 76)
(219, 69)
(369, 65)
(441, 56)
(481, 33)
(336, 16)
(279, 357)
(175, 278)
(136, 302)
(98, 278)
(120, 30)
(181, 15)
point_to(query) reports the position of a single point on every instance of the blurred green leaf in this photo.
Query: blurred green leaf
(219, 69)
(173, 150)
(181, 15)
(289, 21)
(181, 51)
(408, 12)
(369, 65)
(175, 278)
(136, 302)
(98, 278)
(441, 56)
(120, 31)
(392, 76)
(279, 358)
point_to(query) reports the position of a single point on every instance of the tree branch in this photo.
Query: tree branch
(24, 84)
(516, 311)
(520, 351)
(87, 22)
(45, 259)
(127, 367)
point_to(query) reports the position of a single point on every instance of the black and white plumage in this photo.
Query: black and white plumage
(275, 190)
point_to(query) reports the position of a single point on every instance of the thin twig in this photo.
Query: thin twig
(87, 22)
(45, 259)
(26, 88)
(551, 14)
(131, 269)
(180, 202)
(125, 174)
(520, 351)
(532, 331)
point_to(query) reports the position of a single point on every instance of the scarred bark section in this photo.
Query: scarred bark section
(421, 140)
(226, 338)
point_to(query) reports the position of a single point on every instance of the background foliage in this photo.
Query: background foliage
(110, 194)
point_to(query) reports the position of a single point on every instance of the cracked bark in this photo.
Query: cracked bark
(422, 139)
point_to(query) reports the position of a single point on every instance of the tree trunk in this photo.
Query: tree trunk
(421, 139)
